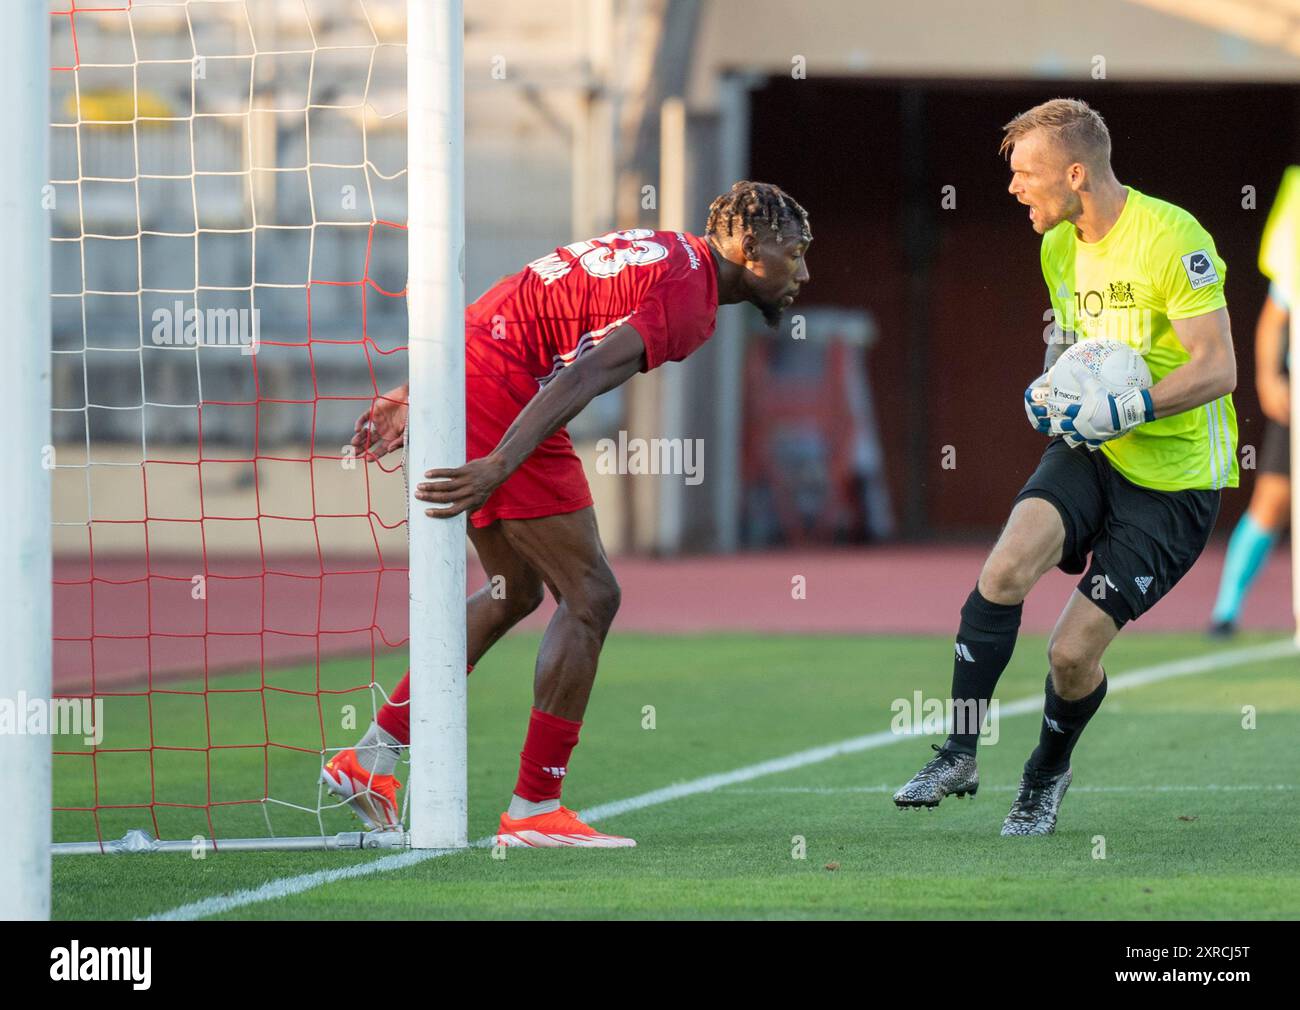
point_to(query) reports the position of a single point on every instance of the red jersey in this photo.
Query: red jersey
(560, 306)
(530, 325)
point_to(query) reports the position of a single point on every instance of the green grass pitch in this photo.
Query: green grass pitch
(1199, 815)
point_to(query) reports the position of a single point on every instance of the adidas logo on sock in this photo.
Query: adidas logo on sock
(555, 773)
(963, 652)
(1144, 582)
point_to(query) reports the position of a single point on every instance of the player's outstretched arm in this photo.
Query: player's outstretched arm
(1211, 372)
(612, 362)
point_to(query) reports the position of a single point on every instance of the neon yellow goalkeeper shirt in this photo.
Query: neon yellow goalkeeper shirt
(1156, 264)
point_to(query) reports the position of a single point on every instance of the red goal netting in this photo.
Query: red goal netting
(229, 260)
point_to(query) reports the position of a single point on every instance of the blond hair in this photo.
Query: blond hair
(1072, 124)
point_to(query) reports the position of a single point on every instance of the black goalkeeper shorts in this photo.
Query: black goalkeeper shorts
(1141, 541)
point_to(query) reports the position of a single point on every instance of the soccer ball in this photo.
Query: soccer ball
(1113, 363)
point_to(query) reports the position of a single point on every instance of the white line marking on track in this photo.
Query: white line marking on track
(286, 886)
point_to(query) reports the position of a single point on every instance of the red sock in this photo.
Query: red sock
(545, 758)
(395, 717)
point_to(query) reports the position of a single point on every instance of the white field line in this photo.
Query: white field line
(842, 790)
(286, 886)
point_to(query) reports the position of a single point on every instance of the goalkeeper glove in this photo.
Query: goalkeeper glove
(1035, 404)
(1101, 416)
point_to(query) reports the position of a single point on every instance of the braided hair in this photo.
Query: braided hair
(753, 206)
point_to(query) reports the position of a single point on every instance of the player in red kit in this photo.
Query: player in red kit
(539, 346)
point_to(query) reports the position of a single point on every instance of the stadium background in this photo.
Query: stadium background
(876, 455)
(923, 321)
(867, 466)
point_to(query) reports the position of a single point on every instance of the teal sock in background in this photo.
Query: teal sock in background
(1247, 550)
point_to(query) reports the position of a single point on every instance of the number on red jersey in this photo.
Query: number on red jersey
(605, 256)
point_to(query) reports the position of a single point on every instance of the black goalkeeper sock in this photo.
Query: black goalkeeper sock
(1063, 723)
(985, 641)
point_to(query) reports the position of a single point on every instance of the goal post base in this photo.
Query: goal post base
(138, 841)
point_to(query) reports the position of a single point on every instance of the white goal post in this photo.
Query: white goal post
(223, 159)
(25, 563)
(436, 432)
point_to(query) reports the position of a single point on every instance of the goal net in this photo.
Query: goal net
(229, 262)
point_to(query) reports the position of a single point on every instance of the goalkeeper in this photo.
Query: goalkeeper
(1132, 480)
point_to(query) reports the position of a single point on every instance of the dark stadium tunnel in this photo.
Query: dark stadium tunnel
(958, 293)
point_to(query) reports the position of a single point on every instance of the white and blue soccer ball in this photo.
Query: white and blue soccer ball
(1113, 363)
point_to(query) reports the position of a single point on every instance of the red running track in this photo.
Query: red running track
(886, 590)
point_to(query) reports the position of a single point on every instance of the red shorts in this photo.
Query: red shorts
(550, 481)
